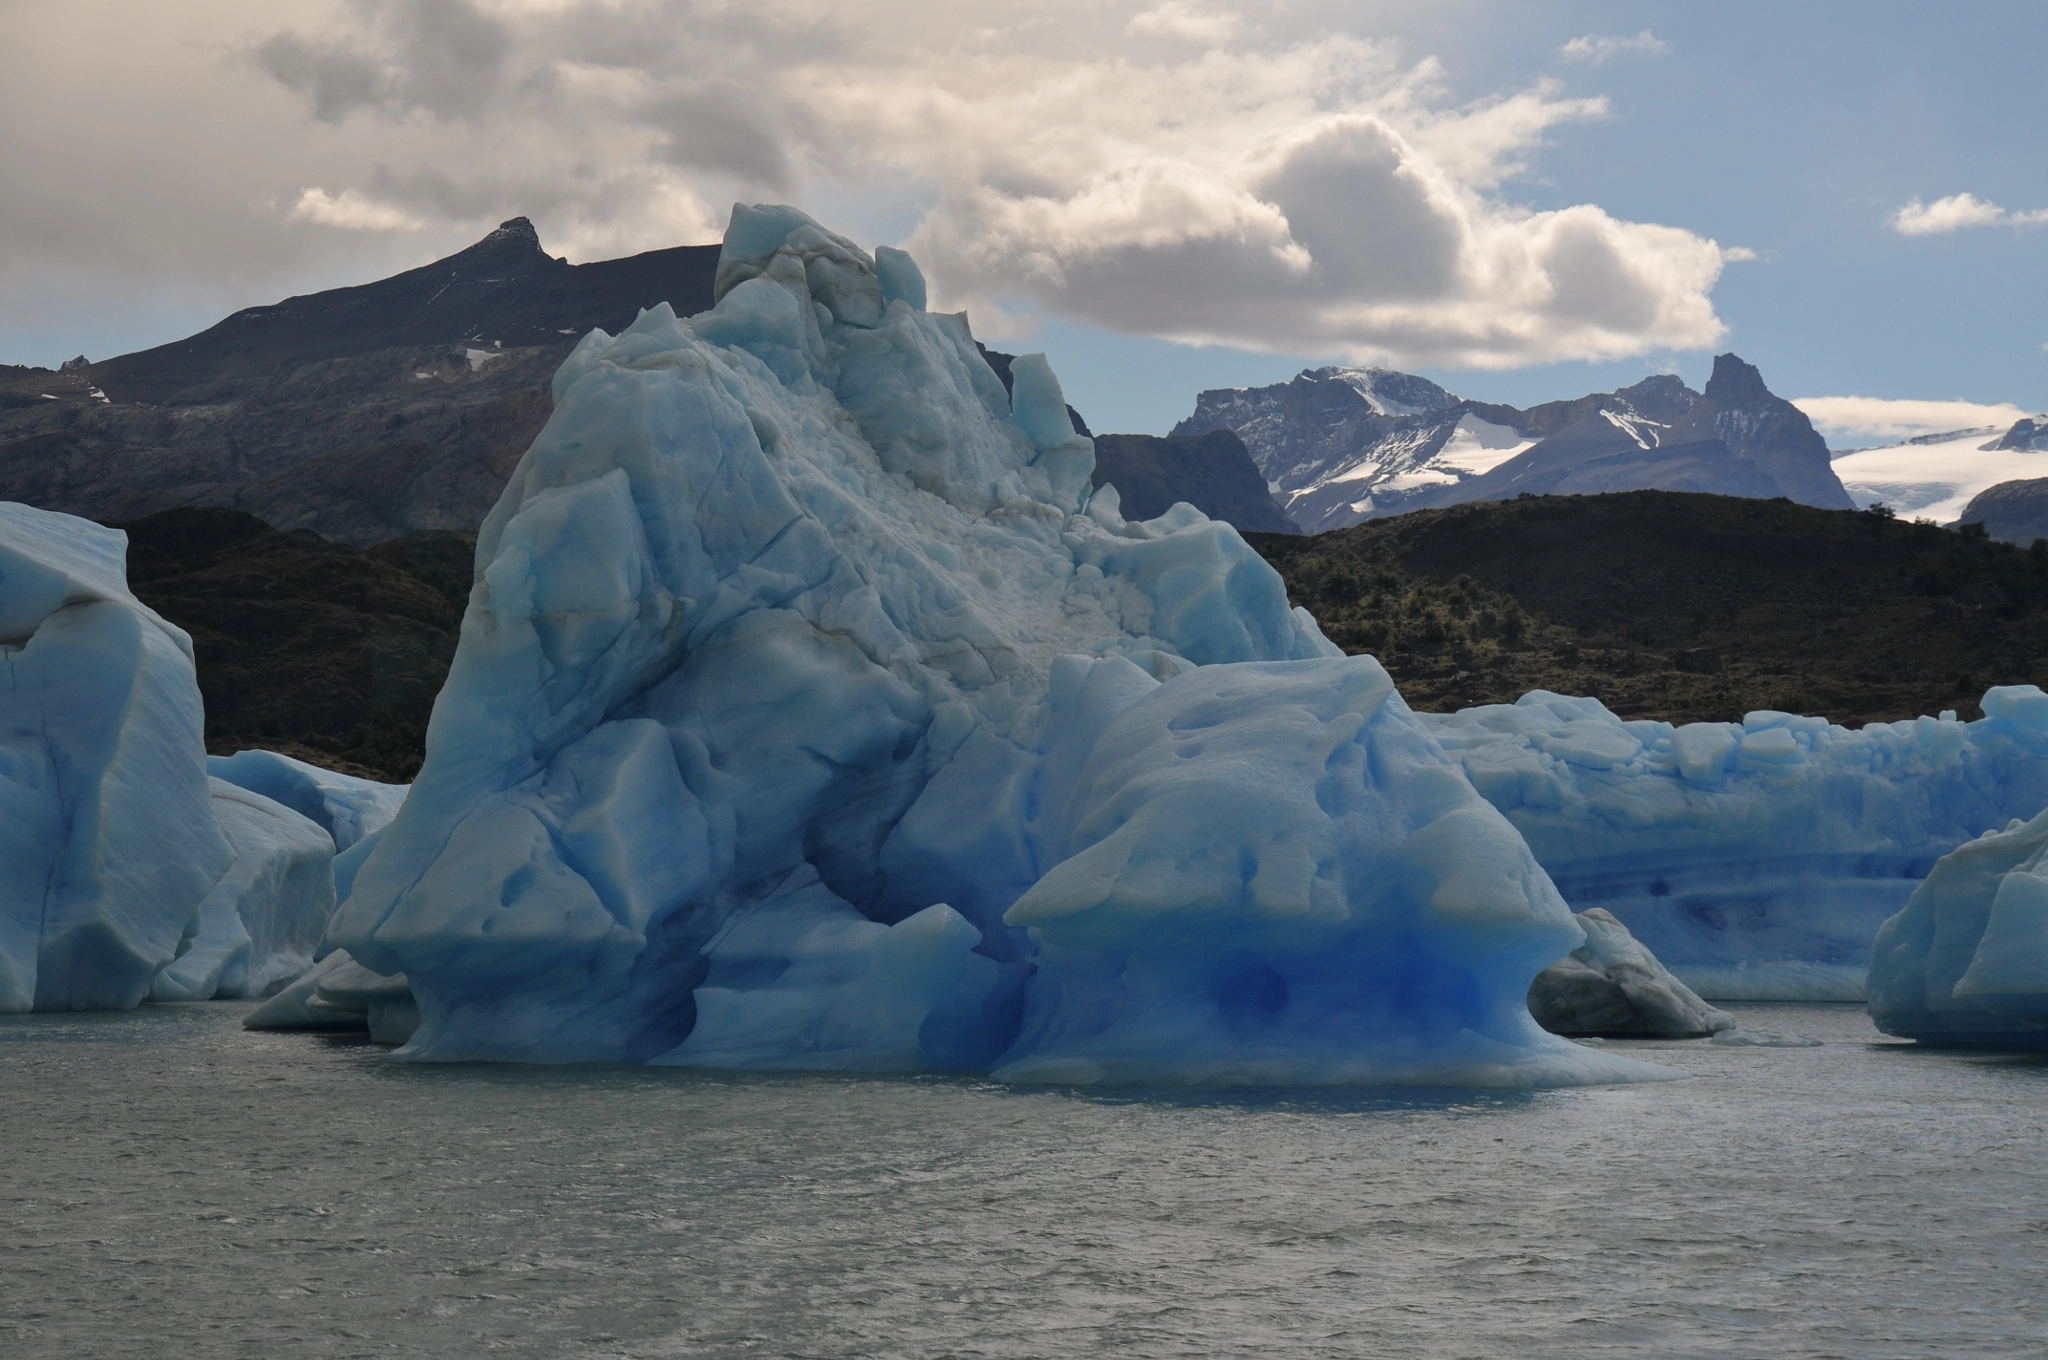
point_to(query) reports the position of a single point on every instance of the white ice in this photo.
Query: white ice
(809, 713)
(1936, 479)
(1755, 859)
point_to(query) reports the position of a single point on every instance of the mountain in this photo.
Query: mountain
(1341, 446)
(363, 413)
(1937, 476)
(1734, 439)
(1338, 445)
(1212, 472)
(2011, 512)
(1677, 606)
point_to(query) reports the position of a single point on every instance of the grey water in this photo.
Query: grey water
(173, 1185)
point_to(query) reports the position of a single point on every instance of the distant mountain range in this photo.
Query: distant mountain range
(1340, 446)
(363, 413)
(372, 412)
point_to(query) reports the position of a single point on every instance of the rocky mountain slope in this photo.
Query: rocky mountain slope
(363, 413)
(1212, 472)
(2011, 512)
(1678, 606)
(1342, 446)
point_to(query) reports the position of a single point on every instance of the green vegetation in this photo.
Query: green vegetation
(1678, 606)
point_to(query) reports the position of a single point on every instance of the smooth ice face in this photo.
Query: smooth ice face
(108, 839)
(1966, 961)
(799, 654)
(1756, 859)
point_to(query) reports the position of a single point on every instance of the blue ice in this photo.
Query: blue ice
(1755, 859)
(810, 712)
(124, 871)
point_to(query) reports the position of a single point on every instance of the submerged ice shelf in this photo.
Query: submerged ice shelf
(809, 712)
(1755, 859)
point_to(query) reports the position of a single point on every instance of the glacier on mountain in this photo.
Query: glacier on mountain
(124, 872)
(1935, 476)
(810, 712)
(1965, 963)
(1758, 859)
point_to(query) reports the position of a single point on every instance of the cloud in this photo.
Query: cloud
(350, 211)
(1890, 419)
(1181, 19)
(1156, 167)
(1595, 49)
(1956, 212)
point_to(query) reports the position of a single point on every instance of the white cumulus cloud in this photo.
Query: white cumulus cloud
(1595, 48)
(1885, 419)
(1956, 212)
(351, 210)
(1277, 178)
(1183, 19)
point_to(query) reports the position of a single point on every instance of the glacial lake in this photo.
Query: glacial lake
(175, 1186)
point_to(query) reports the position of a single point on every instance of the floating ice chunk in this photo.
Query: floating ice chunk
(1756, 860)
(345, 807)
(1966, 961)
(794, 668)
(382, 1004)
(108, 840)
(292, 1008)
(263, 919)
(1611, 986)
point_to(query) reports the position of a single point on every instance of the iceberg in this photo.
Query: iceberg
(1755, 859)
(811, 712)
(1612, 987)
(1965, 963)
(125, 872)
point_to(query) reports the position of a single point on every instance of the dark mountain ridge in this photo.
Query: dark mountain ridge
(364, 413)
(504, 291)
(1678, 606)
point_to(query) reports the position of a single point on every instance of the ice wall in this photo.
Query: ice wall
(120, 866)
(808, 713)
(1966, 962)
(1755, 859)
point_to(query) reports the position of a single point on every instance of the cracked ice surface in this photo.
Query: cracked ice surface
(808, 714)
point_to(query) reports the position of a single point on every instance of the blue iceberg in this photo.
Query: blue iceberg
(810, 712)
(124, 872)
(1755, 859)
(1965, 963)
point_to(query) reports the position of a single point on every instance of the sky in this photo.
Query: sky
(1523, 201)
